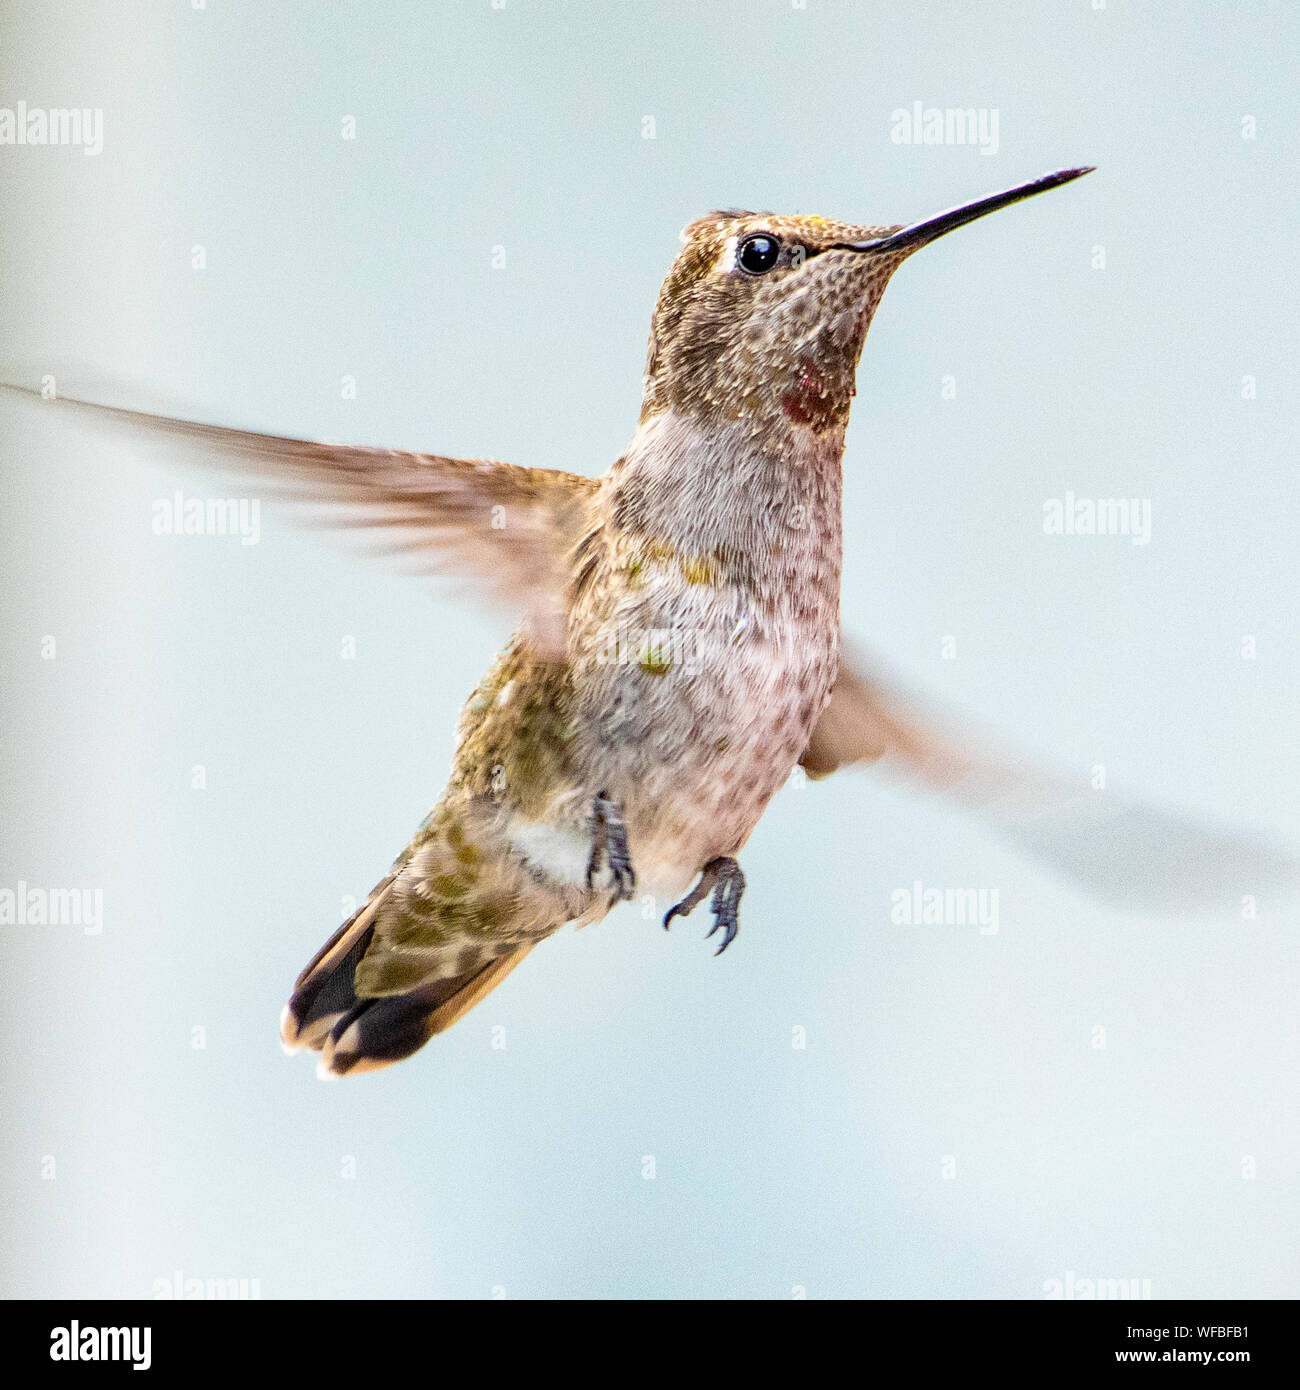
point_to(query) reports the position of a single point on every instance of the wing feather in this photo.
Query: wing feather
(511, 529)
(1119, 850)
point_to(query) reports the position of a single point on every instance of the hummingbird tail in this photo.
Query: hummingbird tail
(326, 989)
(376, 1032)
(358, 1033)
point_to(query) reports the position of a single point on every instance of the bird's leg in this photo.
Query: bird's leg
(728, 883)
(609, 846)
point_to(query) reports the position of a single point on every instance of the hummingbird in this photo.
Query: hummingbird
(678, 651)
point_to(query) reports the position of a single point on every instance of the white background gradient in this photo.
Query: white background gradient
(776, 1169)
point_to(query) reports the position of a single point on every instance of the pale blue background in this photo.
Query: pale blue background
(522, 1168)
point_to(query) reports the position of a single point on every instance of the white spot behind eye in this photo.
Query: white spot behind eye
(726, 262)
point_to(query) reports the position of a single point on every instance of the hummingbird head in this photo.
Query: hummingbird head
(763, 317)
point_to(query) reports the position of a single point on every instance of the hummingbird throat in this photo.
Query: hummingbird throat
(815, 401)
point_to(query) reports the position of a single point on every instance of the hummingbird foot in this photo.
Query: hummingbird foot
(609, 848)
(723, 875)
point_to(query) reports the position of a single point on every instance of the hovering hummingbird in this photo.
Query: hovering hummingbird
(679, 652)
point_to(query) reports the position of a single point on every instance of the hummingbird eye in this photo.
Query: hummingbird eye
(758, 254)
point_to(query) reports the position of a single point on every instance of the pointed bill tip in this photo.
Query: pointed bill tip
(1066, 175)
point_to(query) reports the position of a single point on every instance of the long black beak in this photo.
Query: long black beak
(921, 233)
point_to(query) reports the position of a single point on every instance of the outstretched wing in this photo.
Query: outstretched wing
(510, 528)
(1121, 851)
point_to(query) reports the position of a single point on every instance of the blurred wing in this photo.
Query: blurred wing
(1123, 852)
(510, 528)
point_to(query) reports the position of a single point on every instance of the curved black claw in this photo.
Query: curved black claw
(726, 905)
(728, 883)
(690, 901)
(609, 847)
